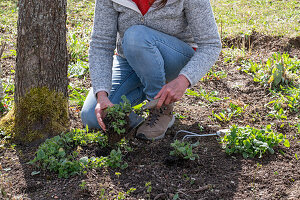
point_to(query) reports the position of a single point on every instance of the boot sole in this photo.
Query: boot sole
(142, 136)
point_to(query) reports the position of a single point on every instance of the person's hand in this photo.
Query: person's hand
(172, 91)
(102, 103)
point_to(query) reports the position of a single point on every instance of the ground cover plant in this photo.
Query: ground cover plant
(61, 154)
(184, 150)
(251, 142)
(256, 77)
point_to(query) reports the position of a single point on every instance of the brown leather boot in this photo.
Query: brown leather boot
(157, 123)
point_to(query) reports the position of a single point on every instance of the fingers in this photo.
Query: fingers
(100, 111)
(159, 94)
(162, 97)
(100, 121)
(170, 93)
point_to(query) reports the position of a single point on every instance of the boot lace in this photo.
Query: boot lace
(153, 117)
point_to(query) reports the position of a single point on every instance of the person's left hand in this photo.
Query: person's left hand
(172, 91)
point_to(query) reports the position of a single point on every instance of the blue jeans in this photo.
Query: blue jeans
(152, 59)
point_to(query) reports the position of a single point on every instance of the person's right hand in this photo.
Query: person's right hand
(102, 103)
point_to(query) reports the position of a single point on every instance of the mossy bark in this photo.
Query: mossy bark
(41, 108)
(39, 115)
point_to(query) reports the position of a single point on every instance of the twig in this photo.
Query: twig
(184, 193)
(203, 188)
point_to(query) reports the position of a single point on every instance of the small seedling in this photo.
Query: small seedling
(148, 189)
(184, 150)
(83, 185)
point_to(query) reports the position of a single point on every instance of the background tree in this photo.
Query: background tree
(41, 105)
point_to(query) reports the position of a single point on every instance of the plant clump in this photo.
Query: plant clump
(279, 70)
(184, 150)
(251, 142)
(117, 120)
(62, 154)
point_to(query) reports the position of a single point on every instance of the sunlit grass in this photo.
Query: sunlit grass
(269, 17)
(8, 22)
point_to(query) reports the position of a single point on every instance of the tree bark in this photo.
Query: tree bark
(41, 63)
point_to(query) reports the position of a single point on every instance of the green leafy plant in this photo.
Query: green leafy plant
(58, 154)
(114, 160)
(117, 117)
(279, 70)
(79, 69)
(184, 150)
(77, 47)
(77, 95)
(213, 74)
(208, 96)
(8, 89)
(148, 189)
(82, 185)
(52, 156)
(226, 115)
(286, 101)
(250, 141)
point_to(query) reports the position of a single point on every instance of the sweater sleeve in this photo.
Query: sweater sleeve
(202, 24)
(102, 45)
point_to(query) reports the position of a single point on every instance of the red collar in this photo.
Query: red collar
(143, 5)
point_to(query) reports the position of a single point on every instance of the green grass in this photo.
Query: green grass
(241, 17)
(8, 19)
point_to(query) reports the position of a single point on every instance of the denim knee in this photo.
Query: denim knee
(135, 37)
(88, 118)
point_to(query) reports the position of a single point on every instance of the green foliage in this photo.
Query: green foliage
(8, 90)
(267, 17)
(279, 70)
(52, 155)
(208, 96)
(115, 159)
(148, 189)
(59, 153)
(117, 114)
(214, 74)
(184, 150)
(79, 69)
(250, 141)
(226, 115)
(77, 47)
(286, 101)
(77, 95)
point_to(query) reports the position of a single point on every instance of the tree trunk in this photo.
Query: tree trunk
(41, 108)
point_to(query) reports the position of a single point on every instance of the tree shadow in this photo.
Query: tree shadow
(41, 184)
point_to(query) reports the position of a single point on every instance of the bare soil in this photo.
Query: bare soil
(215, 175)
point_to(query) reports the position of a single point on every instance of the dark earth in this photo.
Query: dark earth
(215, 175)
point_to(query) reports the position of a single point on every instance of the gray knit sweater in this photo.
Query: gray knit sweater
(192, 21)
